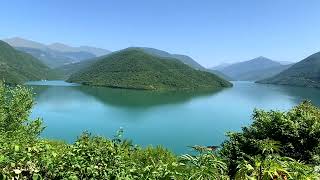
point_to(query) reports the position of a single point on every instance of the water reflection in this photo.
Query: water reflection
(297, 94)
(142, 99)
(268, 96)
(172, 119)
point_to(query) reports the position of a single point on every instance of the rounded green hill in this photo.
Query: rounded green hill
(135, 69)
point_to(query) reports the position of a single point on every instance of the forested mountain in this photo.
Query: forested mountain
(136, 69)
(71, 68)
(253, 70)
(56, 54)
(305, 73)
(18, 67)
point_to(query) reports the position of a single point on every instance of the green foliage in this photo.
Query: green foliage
(268, 168)
(135, 69)
(274, 166)
(294, 134)
(205, 166)
(100, 158)
(95, 158)
(23, 160)
(17, 67)
(15, 108)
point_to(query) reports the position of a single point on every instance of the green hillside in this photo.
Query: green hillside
(68, 69)
(17, 67)
(305, 73)
(135, 69)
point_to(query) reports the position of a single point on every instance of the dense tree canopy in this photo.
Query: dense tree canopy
(294, 134)
(135, 69)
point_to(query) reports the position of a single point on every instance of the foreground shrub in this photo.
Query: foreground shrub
(296, 134)
(15, 109)
(100, 158)
(205, 166)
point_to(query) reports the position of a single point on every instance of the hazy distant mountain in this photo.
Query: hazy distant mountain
(19, 42)
(305, 73)
(253, 70)
(65, 48)
(94, 50)
(17, 67)
(220, 66)
(286, 62)
(220, 74)
(216, 70)
(61, 47)
(56, 58)
(189, 61)
(56, 54)
(66, 70)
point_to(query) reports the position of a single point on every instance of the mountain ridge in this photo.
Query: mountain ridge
(57, 46)
(56, 54)
(305, 73)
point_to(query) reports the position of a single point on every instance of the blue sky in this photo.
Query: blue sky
(210, 31)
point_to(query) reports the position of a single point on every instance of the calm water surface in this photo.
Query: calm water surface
(175, 120)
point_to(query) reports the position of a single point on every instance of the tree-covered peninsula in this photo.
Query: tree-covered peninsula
(134, 69)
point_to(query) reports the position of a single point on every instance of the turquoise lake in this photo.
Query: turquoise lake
(175, 120)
